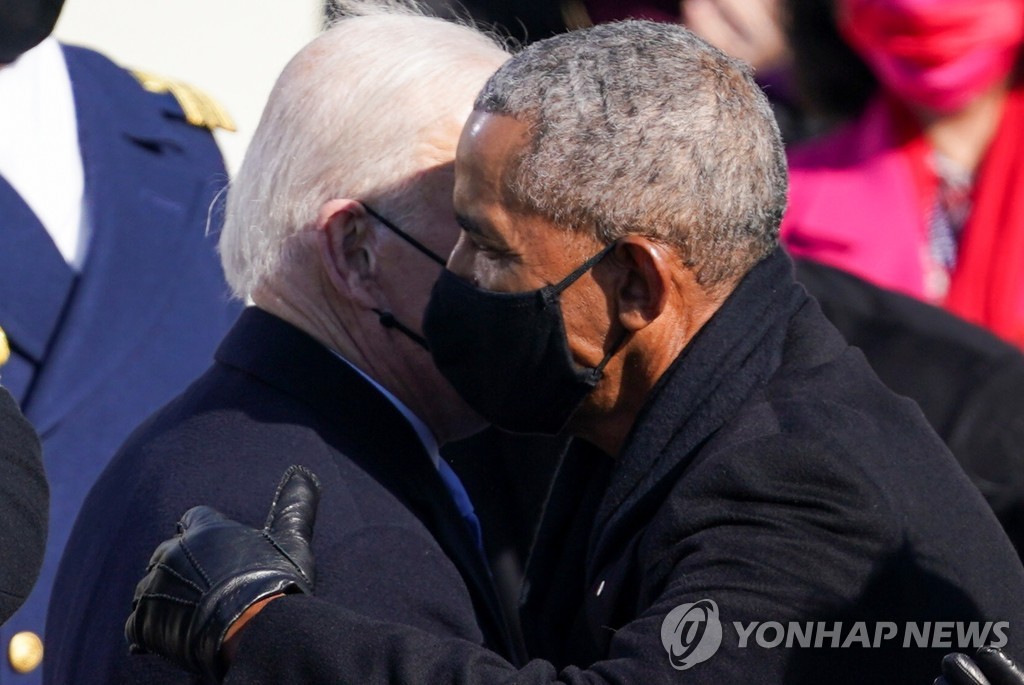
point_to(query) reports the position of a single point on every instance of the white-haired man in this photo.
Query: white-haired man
(747, 503)
(336, 227)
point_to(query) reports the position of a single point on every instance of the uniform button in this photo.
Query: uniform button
(5, 348)
(25, 652)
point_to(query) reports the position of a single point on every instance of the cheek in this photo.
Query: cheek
(483, 271)
(492, 274)
(411, 301)
(587, 324)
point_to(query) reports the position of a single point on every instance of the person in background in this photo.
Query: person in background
(746, 29)
(968, 383)
(922, 191)
(335, 229)
(24, 507)
(749, 30)
(110, 293)
(752, 30)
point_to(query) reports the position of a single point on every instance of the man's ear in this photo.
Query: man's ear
(345, 241)
(643, 283)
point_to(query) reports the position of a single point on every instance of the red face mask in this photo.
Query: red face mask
(936, 54)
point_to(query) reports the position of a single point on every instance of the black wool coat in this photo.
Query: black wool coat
(969, 383)
(771, 473)
(24, 507)
(389, 540)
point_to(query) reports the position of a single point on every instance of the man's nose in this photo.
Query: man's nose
(460, 262)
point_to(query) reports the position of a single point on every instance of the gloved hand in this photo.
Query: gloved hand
(201, 581)
(990, 666)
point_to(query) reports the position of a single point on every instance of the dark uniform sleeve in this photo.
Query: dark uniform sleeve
(24, 507)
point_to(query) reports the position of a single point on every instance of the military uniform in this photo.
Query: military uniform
(92, 349)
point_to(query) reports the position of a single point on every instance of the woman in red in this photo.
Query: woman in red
(923, 191)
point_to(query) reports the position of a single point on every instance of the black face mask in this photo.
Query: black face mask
(507, 354)
(24, 24)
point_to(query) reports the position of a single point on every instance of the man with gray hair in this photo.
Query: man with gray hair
(746, 502)
(335, 228)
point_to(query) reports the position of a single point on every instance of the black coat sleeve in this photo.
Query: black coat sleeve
(24, 507)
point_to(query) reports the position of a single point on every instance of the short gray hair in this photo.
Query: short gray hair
(643, 128)
(355, 114)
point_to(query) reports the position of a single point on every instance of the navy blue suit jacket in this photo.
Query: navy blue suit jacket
(97, 352)
(389, 541)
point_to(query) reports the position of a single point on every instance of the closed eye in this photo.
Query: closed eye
(491, 248)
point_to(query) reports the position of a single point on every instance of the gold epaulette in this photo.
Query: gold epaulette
(200, 109)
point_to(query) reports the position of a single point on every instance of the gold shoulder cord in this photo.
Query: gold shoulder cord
(200, 109)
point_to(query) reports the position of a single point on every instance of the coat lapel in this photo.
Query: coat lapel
(704, 386)
(555, 588)
(139, 193)
(35, 285)
(369, 431)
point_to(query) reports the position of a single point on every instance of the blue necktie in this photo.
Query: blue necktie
(463, 504)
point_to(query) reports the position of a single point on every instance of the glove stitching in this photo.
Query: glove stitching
(293, 469)
(277, 495)
(194, 562)
(170, 598)
(287, 556)
(170, 571)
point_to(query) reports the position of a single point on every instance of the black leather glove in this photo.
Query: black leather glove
(990, 666)
(200, 581)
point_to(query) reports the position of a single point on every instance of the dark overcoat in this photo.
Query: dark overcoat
(389, 541)
(24, 505)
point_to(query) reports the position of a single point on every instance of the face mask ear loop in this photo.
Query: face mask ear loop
(551, 293)
(598, 370)
(388, 320)
(405, 236)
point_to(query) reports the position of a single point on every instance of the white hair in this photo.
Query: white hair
(354, 115)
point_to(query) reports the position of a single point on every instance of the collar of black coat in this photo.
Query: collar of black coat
(737, 350)
(295, 363)
(370, 431)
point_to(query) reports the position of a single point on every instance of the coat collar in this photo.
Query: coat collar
(380, 440)
(293, 362)
(737, 350)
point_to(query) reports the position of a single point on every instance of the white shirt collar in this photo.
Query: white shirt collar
(422, 431)
(39, 147)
